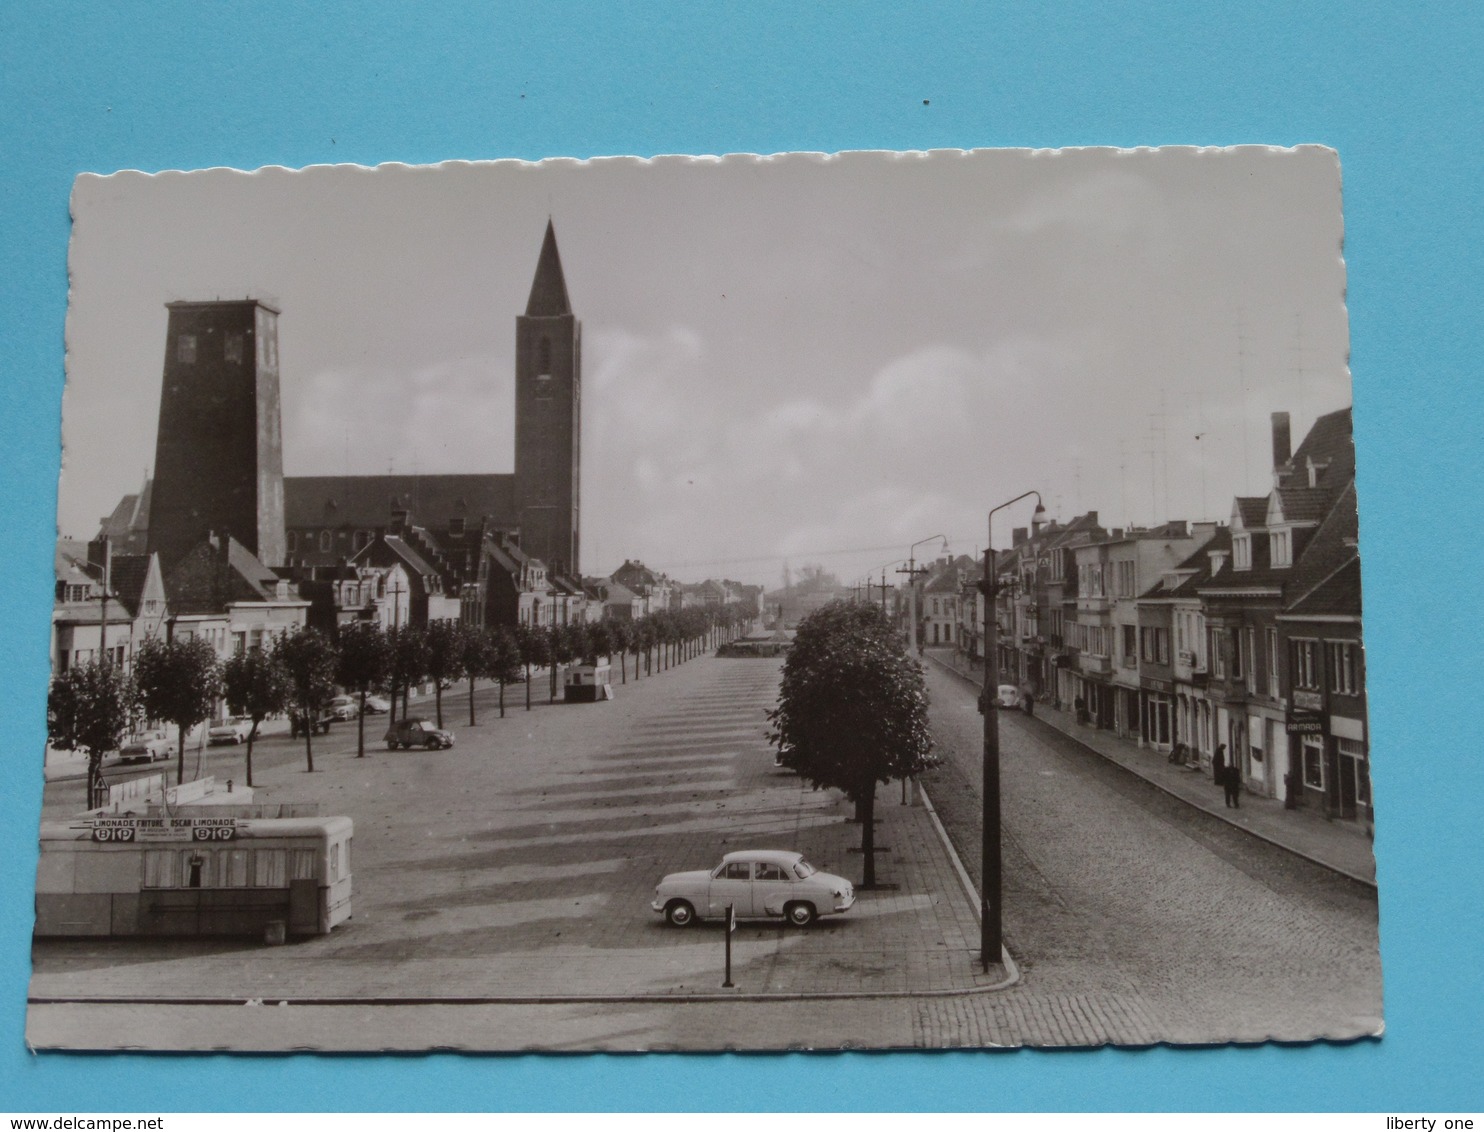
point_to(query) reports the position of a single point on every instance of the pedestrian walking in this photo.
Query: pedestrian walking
(1027, 699)
(1218, 766)
(1233, 786)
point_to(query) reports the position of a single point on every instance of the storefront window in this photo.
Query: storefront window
(1313, 766)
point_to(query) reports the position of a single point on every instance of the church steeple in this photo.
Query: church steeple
(549, 289)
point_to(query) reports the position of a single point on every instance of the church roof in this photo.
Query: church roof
(549, 288)
(367, 502)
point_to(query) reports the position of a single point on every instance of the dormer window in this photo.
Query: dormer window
(1280, 547)
(1218, 561)
(1242, 552)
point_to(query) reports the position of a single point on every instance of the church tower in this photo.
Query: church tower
(548, 416)
(219, 448)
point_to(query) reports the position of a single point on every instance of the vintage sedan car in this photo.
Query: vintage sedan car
(758, 883)
(345, 707)
(415, 731)
(376, 705)
(145, 747)
(233, 729)
(1008, 696)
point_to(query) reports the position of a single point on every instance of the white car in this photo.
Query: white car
(758, 883)
(345, 707)
(376, 705)
(1008, 696)
(233, 729)
(145, 747)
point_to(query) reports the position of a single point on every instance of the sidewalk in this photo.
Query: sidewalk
(1337, 845)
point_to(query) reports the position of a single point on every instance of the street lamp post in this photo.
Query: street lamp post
(992, 888)
(911, 573)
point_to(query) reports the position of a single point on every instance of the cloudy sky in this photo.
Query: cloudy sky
(818, 359)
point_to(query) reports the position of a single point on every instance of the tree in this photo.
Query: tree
(409, 662)
(256, 686)
(619, 634)
(88, 709)
(505, 660)
(556, 652)
(477, 658)
(852, 710)
(535, 650)
(365, 665)
(597, 641)
(310, 661)
(180, 683)
(445, 659)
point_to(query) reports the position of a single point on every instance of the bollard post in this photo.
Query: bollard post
(731, 926)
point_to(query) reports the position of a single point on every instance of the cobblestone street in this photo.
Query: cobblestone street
(1136, 918)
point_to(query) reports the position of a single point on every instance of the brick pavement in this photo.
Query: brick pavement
(520, 865)
(1339, 845)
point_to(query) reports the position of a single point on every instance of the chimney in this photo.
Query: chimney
(100, 555)
(224, 545)
(1282, 443)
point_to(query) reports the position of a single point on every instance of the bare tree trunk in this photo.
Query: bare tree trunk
(180, 759)
(471, 702)
(868, 838)
(251, 735)
(361, 728)
(438, 701)
(502, 699)
(309, 741)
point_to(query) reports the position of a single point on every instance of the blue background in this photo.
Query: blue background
(1395, 88)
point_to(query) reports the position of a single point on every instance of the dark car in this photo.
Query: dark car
(299, 723)
(415, 731)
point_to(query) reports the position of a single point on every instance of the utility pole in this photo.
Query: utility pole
(991, 895)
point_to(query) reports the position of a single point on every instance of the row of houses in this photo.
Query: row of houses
(1244, 635)
(108, 603)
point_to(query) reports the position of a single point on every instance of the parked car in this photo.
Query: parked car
(345, 707)
(415, 731)
(145, 747)
(758, 883)
(1008, 696)
(299, 723)
(233, 729)
(375, 705)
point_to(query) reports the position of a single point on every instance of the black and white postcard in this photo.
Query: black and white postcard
(875, 600)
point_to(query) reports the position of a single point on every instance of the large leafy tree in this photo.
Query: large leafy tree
(256, 687)
(310, 660)
(445, 662)
(178, 682)
(852, 710)
(365, 664)
(88, 709)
